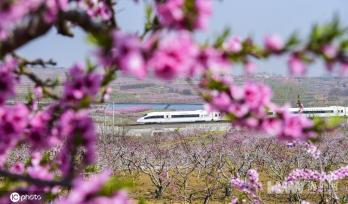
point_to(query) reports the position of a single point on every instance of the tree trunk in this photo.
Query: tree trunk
(206, 199)
(159, 192)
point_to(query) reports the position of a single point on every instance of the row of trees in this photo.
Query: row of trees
(199, 167)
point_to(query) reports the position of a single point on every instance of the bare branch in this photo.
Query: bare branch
(26, 32)
(39, 182)
(83, 20)
(36, 62)
(36, 27)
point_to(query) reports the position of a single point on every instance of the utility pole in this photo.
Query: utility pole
(299, 104)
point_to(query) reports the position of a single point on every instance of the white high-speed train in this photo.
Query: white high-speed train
(204, 116)
(180, 117)
(331, 111)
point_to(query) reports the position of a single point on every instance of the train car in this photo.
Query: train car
(179, 117)
(311, 112)
(204, 116)
(322, 112)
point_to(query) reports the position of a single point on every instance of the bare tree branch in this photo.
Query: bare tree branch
(39, 182)
(83, 20)
(26, 32)
(36, 62)
(36, 27)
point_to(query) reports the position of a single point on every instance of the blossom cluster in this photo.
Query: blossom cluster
(176, 54)
(250, 105)
(36, 169)
(338, 174)
(40, 134)
(167, 57)
(311, 175)
(60, 125)
(7, 78)
(251, 186)
(53, 7)
(77, 128)
(14, 12)
(81, 84)
(183, 14)
(330, 53)
(99, 9)
(83, 191)
(13, 121)
(333, 54)
(127, 53)
(310, 148)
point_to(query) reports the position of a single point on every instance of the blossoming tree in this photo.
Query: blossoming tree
(166, 49)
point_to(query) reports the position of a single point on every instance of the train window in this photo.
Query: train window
(318, 111)
(154, 117)
(313, 111)
(186, 116)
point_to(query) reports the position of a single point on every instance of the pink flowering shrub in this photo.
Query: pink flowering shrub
(325, 180)
(166, 49)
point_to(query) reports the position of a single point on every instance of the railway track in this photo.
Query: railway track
(161, 128)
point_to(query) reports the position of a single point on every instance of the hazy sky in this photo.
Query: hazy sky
(244, 17)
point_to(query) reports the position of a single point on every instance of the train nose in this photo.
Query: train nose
(139, 120)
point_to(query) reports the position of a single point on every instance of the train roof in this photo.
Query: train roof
(203, 111)
(176, 112)
(318, 108)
